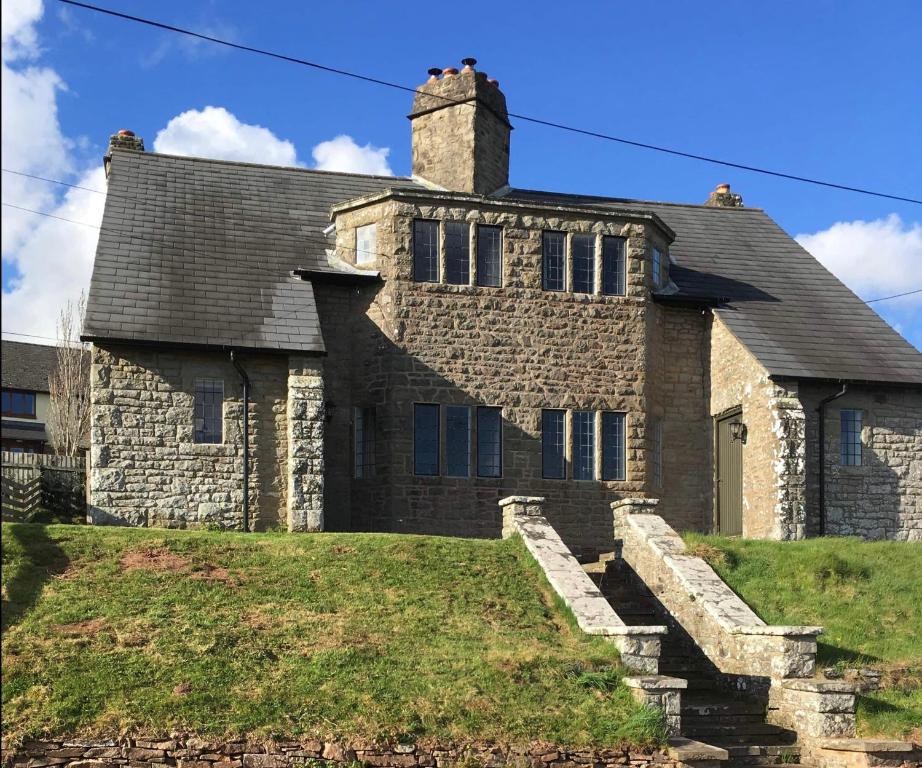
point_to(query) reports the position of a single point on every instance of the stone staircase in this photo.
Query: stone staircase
(711, 713)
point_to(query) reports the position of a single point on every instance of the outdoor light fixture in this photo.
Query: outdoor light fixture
(738, 431)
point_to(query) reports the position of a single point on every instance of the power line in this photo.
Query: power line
(30, 335)
(49, 215)
(894, 296)
(525, 118)
(53, 181)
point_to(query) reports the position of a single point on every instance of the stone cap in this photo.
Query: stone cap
(816, 685)
(647, 505)
(652, 629)
(865, 745)
(656, 682)
(686, 750)
(777, 630)
(521, 500)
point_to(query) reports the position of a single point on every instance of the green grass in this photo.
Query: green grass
(866, 595)
(358, 635)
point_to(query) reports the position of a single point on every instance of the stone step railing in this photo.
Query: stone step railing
(778, 662)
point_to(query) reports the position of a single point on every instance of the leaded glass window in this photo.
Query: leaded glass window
(364, 439)
(366, 244)
(489, 442)
(425, 439)
(613, 263)
(457, 441)
(583, 450)
(850, 440)
(583, 263)
(555, 261)
(553, 447)
(457, 253)
(208, 409)
(490, 256)
(425, 251)
(613, 446)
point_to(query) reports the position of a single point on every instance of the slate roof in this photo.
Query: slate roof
(795, 316)
(27, 366)
(195, 251)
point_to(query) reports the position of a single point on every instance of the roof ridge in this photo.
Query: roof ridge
(248, 164)
(630, 200)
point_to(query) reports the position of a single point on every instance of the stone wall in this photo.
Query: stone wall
(306, 419)
(191, 752)
(773, 450)
(517, 347)
(146, 469)
(881, 498)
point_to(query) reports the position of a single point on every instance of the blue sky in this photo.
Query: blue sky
(823, 89)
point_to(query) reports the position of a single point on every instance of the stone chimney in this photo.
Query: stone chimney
(722, 197)
(123, 139)
(461, 131)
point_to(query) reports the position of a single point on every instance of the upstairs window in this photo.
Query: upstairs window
(457, 253)
(613, 266)
(458, 441)
(364, 439)
(555, 261)
(366, 244)
(425, 251)
(18, 404)
(583, 450)
(490, 256)
(657, 268)
(850, 438)
(489, 442)
(209, 411)
(425, 439)
(553, 447)
(613, 446)
(583, 263)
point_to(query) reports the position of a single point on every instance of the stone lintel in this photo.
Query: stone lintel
(656, 683)
(865, 745)
(778, 631)
(686, 750)
(813, 685)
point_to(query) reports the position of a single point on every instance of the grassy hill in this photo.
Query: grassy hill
(108, 631)
(867, 596)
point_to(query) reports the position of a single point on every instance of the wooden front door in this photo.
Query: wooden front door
(729, 476)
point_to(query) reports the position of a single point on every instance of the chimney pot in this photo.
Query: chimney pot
(722, 197)
(433, 73)
(448, 71)
(122, 139)
(468, 64)
(722, 188)
(125, 132)
(493, 81)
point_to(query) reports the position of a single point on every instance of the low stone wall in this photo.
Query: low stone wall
(198, 753)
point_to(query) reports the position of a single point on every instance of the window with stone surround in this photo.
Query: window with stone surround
(19, 404)
(582, 451)
(583, 250)
(489, 442)
(364, 442)
(850, 437)
(425, 251)
(457, 253)
(366, 244)
(553, 444)
(489, 256)
(554, 267)
(613, 266)
(208, 411)
(458, 441)
(613, 445)
(657, 268)
(425, 439)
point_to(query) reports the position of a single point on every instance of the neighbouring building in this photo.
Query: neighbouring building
(414, 349)
(26, 399)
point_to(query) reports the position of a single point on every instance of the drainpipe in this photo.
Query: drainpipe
(821, 409)
(246, 440)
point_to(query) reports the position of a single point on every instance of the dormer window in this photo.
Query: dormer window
(366, 244)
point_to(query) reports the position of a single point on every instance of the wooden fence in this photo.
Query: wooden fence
(42, 486)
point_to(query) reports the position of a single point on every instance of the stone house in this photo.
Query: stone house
(414, 349)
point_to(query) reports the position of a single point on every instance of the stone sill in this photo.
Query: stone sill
(778, 631)
(865, 745)
(814, 685)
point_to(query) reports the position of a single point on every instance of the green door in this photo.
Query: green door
(729, 476)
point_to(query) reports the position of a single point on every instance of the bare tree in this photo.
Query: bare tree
(69, 384)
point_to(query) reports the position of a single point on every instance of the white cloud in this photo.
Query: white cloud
(17, 28)
(876, 258)
(343, 154)
(216, 133)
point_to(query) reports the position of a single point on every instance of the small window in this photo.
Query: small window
(426, 251)
(457, 253)
(555, 261)
(209, 411)
(613, 277)
(613, 447)
(457, 441)
(366, 244)
(850, 440)
(658, 453)
(425, 439)
(657, 268)
(553, 458)
(583, 263)
(364, 439)
(490, 256)
(583, 451)
(489, 442)
(18, 404)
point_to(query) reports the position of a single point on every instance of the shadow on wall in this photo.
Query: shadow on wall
(365, 368)
(41, 559)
